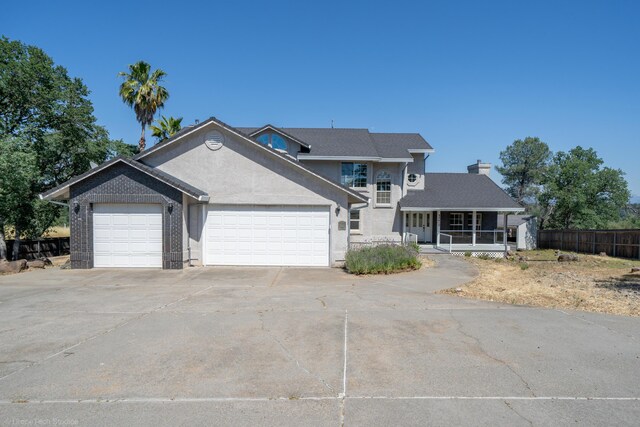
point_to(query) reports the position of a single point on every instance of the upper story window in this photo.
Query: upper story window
(412, 178)
(383, 189)
(354, 175)
(273, 140)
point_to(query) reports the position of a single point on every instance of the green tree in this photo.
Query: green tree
(166, 127)
(15, 184)
(141, 90)
(46, 116)
(579, 193)
(524, 164)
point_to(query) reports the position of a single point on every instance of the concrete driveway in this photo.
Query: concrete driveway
(271, 346)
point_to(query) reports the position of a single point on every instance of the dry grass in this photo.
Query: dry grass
(594, 283)
(57, 232)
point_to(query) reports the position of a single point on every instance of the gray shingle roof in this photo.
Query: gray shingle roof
(156, 173)
(459, 190)
(354, 142)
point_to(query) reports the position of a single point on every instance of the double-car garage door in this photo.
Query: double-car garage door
(130, 235)
(267, 235)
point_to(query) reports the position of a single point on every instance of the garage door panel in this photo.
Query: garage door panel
(267, 235)
(127, 235)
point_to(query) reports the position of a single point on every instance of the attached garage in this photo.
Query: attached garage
(127, 235)
(267, 235)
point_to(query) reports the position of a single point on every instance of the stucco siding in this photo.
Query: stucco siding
(241, 173)
(378, 223)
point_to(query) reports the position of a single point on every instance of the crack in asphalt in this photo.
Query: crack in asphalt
(479, 346)
(596, 324)
(518, 413)
(290, 356)
(105, 332)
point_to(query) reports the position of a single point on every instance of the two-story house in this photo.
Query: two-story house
(217, 195)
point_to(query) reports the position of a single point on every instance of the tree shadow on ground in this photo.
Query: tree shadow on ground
(625, 283)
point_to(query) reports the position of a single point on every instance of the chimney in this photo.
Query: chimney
(480, 168)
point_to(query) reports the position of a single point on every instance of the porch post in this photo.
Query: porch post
(504, 232)
(437, 229)
(473, 229)
(404, 227)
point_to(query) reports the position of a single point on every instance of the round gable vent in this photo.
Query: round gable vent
(214, 140)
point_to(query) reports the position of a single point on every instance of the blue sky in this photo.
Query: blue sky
(470, 76)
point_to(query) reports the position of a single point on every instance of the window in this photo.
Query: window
(383, 189)
(354, 220)
(478, 222)
(456, 221)
(273, 140)
(412, 178)
(354, 175)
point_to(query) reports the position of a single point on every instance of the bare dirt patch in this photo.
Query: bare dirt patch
(593, 283)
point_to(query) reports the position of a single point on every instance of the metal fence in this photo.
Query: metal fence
(617, 243)
(38, 248)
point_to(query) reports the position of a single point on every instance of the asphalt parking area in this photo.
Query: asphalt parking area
(270, 346)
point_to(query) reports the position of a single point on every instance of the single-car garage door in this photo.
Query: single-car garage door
(267, 235)
(127, 235)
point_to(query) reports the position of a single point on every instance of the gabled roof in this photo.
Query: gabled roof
(464, 191)
(253, 133)
(354, 143)
(286, 157)
(172, 181)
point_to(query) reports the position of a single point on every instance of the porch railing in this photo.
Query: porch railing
(483, 237)
(450, 240)
(410, 238)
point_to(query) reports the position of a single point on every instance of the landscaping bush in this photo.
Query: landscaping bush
(382, 259)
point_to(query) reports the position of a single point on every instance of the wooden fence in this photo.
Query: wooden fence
(618, 243)
(38, 248)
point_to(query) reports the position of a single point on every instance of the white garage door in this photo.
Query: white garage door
(127, 235)
(267, 235)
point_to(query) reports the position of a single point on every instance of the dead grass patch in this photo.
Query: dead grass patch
(593, 283)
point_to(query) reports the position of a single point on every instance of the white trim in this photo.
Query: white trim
(302, 156)
(395, 160)
(418, 209)
(202, 198)
(356, 158)
(421, 150)
(281, 133)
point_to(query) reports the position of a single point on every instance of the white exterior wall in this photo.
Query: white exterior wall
(377, 222)
(244, 174)
(527, 234)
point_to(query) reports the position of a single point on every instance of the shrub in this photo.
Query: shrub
(467, 254)
(382, 259)
(484, 257)
(524, 266)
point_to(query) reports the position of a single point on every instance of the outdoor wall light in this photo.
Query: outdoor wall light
(337, 210)
(170, 207)
(76, 207)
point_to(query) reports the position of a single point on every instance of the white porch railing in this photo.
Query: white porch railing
(410, 238)
(450, 240)
(465, 237)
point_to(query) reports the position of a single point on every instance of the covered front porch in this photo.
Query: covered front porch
(456, 231)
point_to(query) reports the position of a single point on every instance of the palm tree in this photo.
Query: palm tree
(141, 90)
(166, 127)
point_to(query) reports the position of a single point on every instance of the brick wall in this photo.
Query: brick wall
(121, 183)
